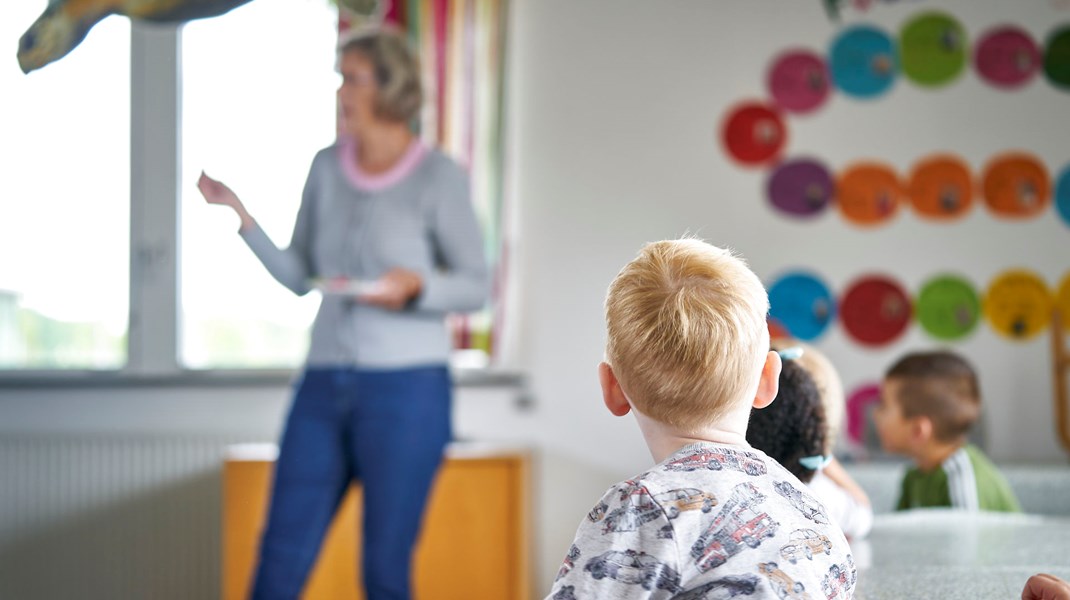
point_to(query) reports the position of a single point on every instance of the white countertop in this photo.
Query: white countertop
(268, 452)
(943, 553)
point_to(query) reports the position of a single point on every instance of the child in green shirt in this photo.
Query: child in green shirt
(929, 401)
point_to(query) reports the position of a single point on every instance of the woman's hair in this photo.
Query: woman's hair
(686, 332)
(793, 426)
(397, 71)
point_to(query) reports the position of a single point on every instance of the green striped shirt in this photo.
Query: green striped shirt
(966, 480)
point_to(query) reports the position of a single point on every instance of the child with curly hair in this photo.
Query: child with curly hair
(795, 432)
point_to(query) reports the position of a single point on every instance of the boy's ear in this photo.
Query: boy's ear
(769, 384)
(921, 429)
(612, 394)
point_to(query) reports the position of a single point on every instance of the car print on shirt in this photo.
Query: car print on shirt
(722, 589)
(839, 580)
(803, 502)
(637, 507)
(679, 500)
(782, 583)
(717, 458)
(569, 562)
(634, 568)
(805, 542)
(739, 523)
(567, 592)
(598, 512)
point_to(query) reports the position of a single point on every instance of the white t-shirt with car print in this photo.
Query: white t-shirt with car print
(712, 521)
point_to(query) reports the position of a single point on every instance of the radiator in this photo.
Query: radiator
(112, 518)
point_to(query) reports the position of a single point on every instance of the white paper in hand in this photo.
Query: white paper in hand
(345, 286)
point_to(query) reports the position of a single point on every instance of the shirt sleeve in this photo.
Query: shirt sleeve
(292, 267)
(624, 548)
(461, 281)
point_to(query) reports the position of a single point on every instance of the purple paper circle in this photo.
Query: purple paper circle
(799, 81)
(1007, 57)
(801, 187)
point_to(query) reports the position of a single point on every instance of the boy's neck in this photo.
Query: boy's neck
(663, 440)
(932, 455)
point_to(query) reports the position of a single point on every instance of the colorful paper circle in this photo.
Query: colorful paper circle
(860, 403)
(1057, 58)
(932, 49)
(801, 187)
(1018, 304)
(1062, 301)
(799, 81)
(801, 304)
(1016, 186)
(1062, 195)
(776, 330)
(941, 188)
(868, 193)
(948, 308)
(754, 133)
(875, 310)
(1007, 57)
(863, 62)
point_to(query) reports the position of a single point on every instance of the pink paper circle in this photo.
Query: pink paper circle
(857, 402)
(799, 81)
(1007, 57)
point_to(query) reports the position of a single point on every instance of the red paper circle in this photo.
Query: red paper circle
(754, 133)
(875, 310)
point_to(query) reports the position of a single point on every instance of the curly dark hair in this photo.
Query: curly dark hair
(794, 425)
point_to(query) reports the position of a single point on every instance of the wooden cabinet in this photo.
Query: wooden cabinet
(474, 542)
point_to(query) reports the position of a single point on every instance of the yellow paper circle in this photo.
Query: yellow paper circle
(1018, 304)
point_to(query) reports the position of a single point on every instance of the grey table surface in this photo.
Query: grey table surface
(943, 553)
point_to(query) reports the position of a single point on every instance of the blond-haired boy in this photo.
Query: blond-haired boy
(929, 402)
(688, 355)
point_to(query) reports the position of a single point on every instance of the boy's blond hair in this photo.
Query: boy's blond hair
(687, 335)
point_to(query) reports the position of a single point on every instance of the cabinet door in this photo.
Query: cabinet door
(473, 543)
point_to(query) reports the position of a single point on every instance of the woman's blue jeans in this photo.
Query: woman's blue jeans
(387, 429)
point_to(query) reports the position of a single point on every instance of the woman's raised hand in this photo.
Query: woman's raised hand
(216, 192)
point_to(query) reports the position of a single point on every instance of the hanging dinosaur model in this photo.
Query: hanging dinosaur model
(65, 23)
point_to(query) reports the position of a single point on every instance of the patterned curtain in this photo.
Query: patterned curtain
(462, 47)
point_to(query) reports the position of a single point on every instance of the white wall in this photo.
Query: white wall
(614, 110)
(616, 107)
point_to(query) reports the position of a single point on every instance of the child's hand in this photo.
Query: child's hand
(1045, 587)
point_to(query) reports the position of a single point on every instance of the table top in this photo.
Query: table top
(268, 452)
(943, 553)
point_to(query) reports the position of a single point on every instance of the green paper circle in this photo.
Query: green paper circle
(932, 49)
(948, 308)
(1057, 58)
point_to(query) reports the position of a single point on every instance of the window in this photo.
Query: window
(91, 144)
(258, 101)
(64, 229)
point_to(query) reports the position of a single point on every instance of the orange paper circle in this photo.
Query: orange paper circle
(868, 193)
(1016, 186)
(1018, 304)
(941, 188)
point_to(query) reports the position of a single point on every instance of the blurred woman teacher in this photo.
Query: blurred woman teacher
(388, 224)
